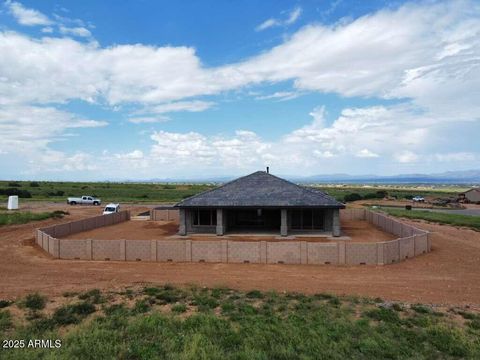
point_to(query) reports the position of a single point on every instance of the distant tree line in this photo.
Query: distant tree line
(14, 191)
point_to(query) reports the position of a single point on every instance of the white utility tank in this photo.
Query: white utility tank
(12, 202)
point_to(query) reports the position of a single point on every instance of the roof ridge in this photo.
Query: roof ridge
(215, 188)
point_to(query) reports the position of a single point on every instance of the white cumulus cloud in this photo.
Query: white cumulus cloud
(26, 16)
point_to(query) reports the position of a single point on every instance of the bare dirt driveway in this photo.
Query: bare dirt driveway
(449, 275)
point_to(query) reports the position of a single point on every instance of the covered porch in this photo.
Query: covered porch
(267, 220)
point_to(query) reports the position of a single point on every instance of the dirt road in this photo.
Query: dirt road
(448, 275)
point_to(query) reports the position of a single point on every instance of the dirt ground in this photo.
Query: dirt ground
(449, 275)
(352, 231)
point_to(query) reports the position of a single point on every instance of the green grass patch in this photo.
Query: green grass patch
(179, 308)
(442, 218)
(263, 326)
(23, 217)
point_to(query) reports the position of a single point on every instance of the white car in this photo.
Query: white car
(111, 208)
(418, 199)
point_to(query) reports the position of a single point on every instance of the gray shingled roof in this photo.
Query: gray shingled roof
(260, 189)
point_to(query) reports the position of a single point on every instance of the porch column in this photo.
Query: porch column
(283, 223)
(336, 222)
(220, 222)
(182, 229)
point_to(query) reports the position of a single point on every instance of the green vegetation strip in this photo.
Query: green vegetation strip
(174, 192)
(107, 192)
(198, 323)
(23, 217)
(442, 218)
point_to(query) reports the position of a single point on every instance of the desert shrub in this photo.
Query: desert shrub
(474, 324)
(151, 291)
(179, 308)
(169, 187)
(421, 309)
(35, 301)
(205, 302)
(168, 296)
(323, 296)
(5, 303)
(83, 308)
(64, 316)
(381, 194)
(255, 294)
(382, 314)
(68, 294)
(227, 307)
(72, 314)
(370, 196)
(94, 296)
(141, 306)
(14, 191)
(41, 325)
(334, 301)
(59, 214)
(56, 193)
(352, 197)
(397, 307)
(467, 315)
(5, 320)
(116, 309)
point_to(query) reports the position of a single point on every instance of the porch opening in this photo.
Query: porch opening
(258, 220)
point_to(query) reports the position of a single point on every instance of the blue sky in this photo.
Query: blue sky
(145, 89)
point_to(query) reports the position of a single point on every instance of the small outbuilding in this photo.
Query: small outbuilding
(470, 196)
(260, 203)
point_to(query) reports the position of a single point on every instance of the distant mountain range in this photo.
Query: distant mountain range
(449, 177)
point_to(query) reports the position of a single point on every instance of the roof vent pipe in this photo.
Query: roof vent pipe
(268, 170)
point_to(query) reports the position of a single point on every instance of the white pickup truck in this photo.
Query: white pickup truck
(84, 200)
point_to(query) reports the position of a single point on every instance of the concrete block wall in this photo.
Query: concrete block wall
(108, 250)
(416, 242)
(208, 251)
(353, 214)
(245, 252)
(138, 250)
(361, 254)
(322, 253)
(165, 215)
(391, 251)
(283, 252)
(172, 250)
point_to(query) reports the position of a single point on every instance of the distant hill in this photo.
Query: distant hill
(449, 177)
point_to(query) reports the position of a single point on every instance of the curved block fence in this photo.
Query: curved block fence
(411, 242)
(47, 238)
